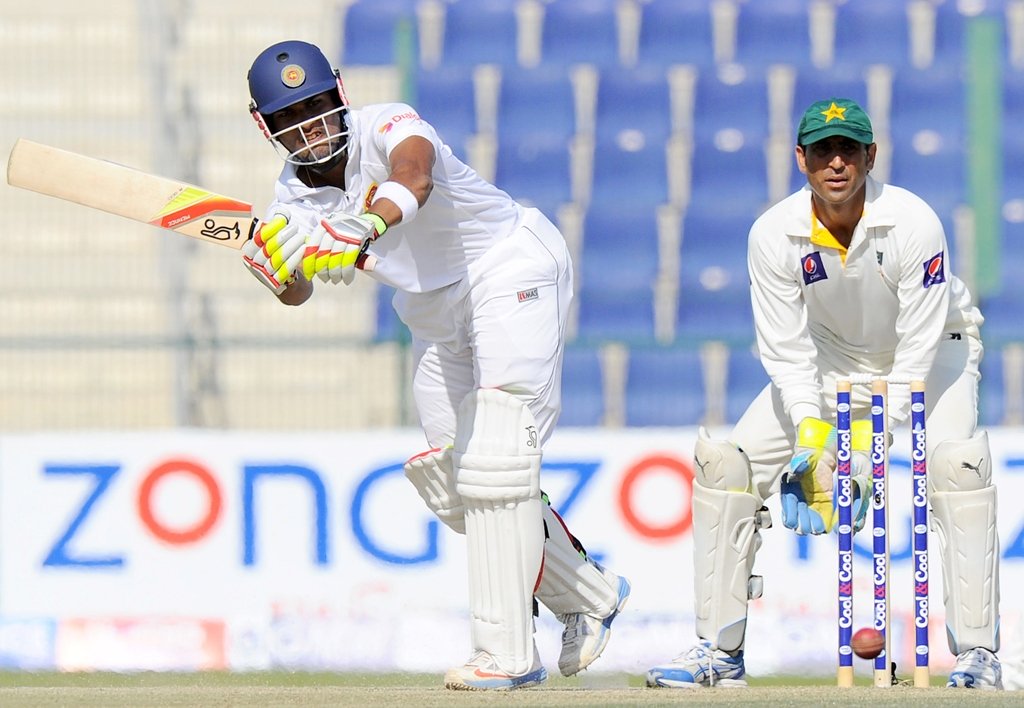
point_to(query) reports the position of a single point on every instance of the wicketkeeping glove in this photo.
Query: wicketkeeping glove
(334, 249)
(274, 252)
(809, 492)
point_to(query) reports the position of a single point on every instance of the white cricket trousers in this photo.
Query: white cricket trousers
(766, 433)
(501, 326)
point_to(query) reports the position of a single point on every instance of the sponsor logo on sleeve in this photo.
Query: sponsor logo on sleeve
(525, 295)
(813, 268)
(934, 270)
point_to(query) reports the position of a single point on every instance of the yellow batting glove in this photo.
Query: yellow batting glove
(274, 252)
(338, 245)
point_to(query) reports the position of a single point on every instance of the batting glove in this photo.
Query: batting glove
(337, 247)
(274, 252)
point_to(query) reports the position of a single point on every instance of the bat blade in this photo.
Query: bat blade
(131, 193)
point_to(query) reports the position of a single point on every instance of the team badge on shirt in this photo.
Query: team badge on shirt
(934, 270)
(813, 268)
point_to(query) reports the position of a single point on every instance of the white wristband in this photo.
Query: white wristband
(401, 196)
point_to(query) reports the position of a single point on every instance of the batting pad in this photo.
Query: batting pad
(725, 541)
(432, 474)
(497, 462)
(964, 519)
(570, 582)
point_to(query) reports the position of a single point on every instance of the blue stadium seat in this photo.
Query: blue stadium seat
(714, 292)
(618, 306)
(776, 32)
(632, 170)
(664, 387)
(389, 327)
(535, 102)
(634, 99)
(480, 32)
(872, 32)
(731, 98)
(535, 172)
(745, 379)
(731, 175)
(369, 31)
(928, 99)
(1003, 311)
(444, 98)
(582, 387)
(676, 32)
(580, 31)
(813, 85)
(992, 389)
(933, 166)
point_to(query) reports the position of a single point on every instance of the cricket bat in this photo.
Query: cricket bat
(134, 194)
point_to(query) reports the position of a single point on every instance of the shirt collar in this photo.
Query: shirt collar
(879, 209)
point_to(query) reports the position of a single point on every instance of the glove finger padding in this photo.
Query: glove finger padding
(269, 254)
(333, 250)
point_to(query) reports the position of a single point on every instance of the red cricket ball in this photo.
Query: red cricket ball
(867, 643)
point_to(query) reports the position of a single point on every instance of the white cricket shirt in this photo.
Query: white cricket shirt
(882, 311)
(462, 218)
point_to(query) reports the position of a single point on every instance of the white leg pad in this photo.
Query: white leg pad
(726, 521)
(433, 476)
(497, 462)
(570, 581)
(964, 504)
(725, 542)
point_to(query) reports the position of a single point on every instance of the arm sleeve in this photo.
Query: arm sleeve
(396, 122)
(780, 319)
(924, 294)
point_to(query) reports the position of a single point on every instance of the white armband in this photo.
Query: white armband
(402, 197)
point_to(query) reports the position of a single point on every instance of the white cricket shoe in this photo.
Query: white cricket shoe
(585, 637)
(701, 666)
(482, 673)
(977, 668)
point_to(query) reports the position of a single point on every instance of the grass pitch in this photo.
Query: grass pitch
(425, 690)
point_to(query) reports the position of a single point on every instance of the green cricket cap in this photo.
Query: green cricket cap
(835, 116)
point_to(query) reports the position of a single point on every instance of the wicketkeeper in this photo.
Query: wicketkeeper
(848, 275)
(484, 285)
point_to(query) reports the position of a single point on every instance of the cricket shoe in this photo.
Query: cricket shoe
(701, 666)
(585, 637)
(482, 673)
(977, 668)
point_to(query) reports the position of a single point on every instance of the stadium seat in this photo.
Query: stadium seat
(536, 172)
(535, 102)
(580, 32)
(731, 173)
(745, 379)
(582, 387)
(444, 98)
(731, 98)
(618, 265)
(776, 32)
(676, 32)
(630, 170)
(714, 315)
(928, 99)
(664, 387)
(370, 28)
(992, 389)
(932, 165)
(872, 32)
(389, 327)
(480, 31)
(812, 85)
(634, 99)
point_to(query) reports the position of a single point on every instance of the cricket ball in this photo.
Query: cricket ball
(867, 643)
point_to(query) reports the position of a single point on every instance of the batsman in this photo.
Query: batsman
(484, 285)
(848, 275)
